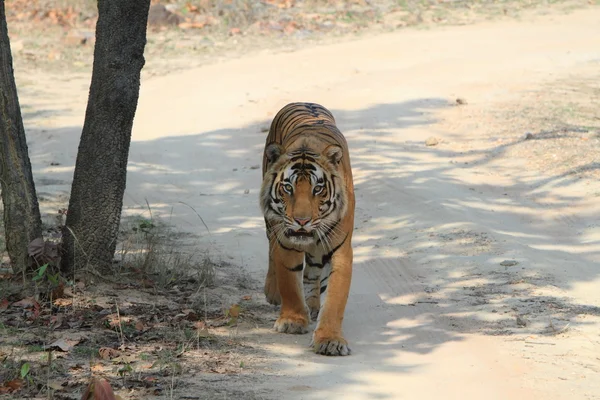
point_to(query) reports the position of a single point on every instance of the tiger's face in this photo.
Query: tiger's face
(302, 195)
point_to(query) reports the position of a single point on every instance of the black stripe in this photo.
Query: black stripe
(288, 248)
(323, 289)
(310, 262)
(297, 268)
(327, 257)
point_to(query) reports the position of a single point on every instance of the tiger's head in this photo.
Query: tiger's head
(303, 196)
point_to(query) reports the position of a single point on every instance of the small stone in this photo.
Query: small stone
(509, 263)
(432, 141)
(264, 129)
(528, 136)
(235, 169)
(522, 321)
(255, 166)
(461, 101)
(54, 163)
(247, 191)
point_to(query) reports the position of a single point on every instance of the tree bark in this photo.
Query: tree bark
(22, 221)
(94, 213)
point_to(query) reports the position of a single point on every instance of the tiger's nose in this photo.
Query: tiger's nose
(302, 221)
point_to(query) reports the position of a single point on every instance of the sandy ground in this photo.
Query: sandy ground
(434, 310)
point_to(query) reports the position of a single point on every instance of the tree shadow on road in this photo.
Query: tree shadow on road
(428, 244)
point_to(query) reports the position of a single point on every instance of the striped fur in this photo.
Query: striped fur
(307, 199)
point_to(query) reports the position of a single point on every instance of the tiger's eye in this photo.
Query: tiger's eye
(288, 188)
(318, 190)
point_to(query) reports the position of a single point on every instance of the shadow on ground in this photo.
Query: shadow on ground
(428, 260)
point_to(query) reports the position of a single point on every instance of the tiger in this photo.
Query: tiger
(307, 200)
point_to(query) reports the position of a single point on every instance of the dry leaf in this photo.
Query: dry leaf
(191, 315)
(11, 386)
(62, 345)
(27, 302)
(247, 298)
(202, 330)
(147, 283)
(98, 389)
(55, 385)
(234, 311)
(56, 321)
(192, 25)
(4, 303)
(139, 326)
(63, 302)
(106, 353)
(59, 291)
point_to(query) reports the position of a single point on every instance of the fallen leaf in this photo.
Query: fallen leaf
(62, 345)
(59, 291)
(202, 330)
(247, 298)
(191, 315)
(98, 389)
(106, 353)
(27, 302)
(147, 283)
(234, 311)
(56, 321)
(139, 326)
(55, 385)
(11, 386)
(124, 359)
(192, 25)
(63, 302)
(4, 303)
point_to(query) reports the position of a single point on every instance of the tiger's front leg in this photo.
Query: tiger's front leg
(293, 317)
(271, 289)
(328, 338)
(312, 284)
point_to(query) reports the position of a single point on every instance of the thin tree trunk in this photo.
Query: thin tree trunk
(96, 201)
(22, 221)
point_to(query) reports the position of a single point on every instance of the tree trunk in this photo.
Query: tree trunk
(94, 213)
(22, 221)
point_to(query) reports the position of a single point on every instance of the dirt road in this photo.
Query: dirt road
(476, 274)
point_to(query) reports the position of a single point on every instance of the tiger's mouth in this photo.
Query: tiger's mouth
(300, 234)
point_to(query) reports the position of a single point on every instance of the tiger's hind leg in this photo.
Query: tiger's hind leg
(271, 288)
(312, 285)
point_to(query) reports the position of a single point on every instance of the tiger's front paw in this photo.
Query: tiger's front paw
(329, 345)
(291, 324)
(272, 290)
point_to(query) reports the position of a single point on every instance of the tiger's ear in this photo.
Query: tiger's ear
(334, 154)
(273, 152)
